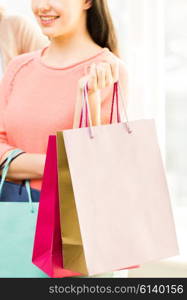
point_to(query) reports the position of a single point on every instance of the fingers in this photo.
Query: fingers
(109, 75)
(102, 75)
(115, 71)
(92, 79)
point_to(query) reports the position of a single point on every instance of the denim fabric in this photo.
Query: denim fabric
(13, 192)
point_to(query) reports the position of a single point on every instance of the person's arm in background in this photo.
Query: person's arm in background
(27, 165)
(100, 80)
(28, 35)
(19, 36)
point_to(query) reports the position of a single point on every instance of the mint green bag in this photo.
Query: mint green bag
(17, 229)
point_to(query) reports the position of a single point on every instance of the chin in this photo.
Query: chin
(49, 33)
(55, 35)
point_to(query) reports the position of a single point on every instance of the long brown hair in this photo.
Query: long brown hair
(2, 12)
(101, 27)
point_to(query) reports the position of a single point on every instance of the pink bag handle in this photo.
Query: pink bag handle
(85, 107)
(85, 112)
(115, 96)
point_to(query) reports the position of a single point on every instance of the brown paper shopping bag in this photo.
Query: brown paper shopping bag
(73, 252)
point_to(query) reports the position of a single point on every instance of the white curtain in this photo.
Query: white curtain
(143, 37)
(140, 24)
(17, 6)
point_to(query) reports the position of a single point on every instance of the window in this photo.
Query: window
(153, 37)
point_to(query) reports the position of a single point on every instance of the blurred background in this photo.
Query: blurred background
(153, 42)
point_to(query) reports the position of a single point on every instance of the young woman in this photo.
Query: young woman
(41, 91)
(17, 36)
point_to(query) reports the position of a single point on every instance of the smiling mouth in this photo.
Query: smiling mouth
(49, 18)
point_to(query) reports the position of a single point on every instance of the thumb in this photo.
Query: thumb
(83, 81)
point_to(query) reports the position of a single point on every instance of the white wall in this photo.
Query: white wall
(17, 6)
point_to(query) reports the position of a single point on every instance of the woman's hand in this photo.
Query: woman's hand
(100, 76)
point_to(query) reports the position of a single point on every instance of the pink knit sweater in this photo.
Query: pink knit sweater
(37, 100)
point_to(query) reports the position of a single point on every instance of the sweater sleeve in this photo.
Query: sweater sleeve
(108, 93)
(4, 89)
(6, 86)
(4, 146)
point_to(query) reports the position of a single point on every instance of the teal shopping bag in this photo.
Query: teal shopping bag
(17, 228)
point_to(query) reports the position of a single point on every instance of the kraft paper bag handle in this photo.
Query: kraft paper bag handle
(85, 113)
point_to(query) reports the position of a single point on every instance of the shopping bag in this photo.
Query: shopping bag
(17, 235)
(47, 251)
(115, 207)
(17, 224)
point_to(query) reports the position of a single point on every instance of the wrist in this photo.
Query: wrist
(94, 93)
(42, 159)
(91, 91)
(38, 166)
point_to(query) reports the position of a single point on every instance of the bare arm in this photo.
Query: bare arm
(26, 166)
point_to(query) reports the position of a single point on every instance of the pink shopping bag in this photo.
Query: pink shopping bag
(47, 251)
(114, 198)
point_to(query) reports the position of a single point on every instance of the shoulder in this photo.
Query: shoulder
(14, 69)
(22, 59)
(16, 65)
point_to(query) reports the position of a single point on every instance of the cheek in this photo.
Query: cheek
(73, 10)
(73, 18)
(68, 21)
(34, 6)
(35, 10)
